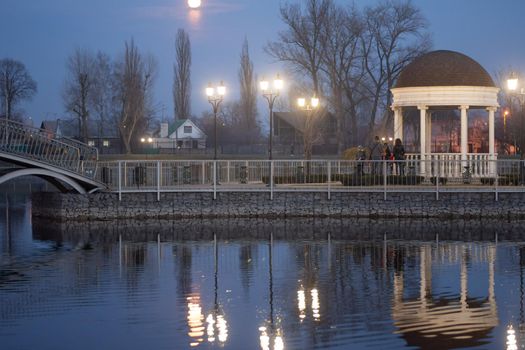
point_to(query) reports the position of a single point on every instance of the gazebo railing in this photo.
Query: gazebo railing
(452, 165)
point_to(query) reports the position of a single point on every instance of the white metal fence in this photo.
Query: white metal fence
(313, 176)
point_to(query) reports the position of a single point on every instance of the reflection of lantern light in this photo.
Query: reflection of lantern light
(315, 304)
(278, 344)
(511, 339)
(210, 330)
(301, 303)
(264, 339)
(195, 318)
(222, 326)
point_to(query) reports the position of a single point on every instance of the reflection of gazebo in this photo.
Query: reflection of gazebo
(446, 80)
(445, 322)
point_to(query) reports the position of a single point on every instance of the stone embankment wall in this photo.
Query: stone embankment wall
(106, 206)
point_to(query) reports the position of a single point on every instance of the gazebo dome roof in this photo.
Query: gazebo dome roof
(444, 68)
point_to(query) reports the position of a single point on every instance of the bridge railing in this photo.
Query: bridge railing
(314, 176)
(38, 145)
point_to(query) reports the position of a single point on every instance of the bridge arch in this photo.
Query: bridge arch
(43, 173)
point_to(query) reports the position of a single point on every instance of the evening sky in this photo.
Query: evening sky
(43, 33)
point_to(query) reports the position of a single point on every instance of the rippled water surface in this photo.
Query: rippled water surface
(260, 285)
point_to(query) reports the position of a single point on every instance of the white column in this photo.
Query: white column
(398, 123)
(422, 136)
(492, 152)
(428, 131)
(464, 132)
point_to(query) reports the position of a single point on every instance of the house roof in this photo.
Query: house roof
(50, 125)
(296, 119)
(176, 125)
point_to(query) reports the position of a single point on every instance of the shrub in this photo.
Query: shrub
(510, 179)
(488, 180)
(359, 180)
(279, 180)
(404, 180)
(442, 180)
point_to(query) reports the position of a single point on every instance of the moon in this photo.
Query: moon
(194, 4)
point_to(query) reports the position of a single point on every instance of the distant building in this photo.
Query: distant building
(288, 131)
(100, 137)
(106, 144)
(183, 134)
(52, 128)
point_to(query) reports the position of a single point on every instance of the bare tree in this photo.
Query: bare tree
(349, 57)
(15, 85)
(181, 77)
(134, 81)
(102, 93)
(341, 64)
(248, 102)
(300, 44)
(312, 133)
(78, 88)
(394, 35)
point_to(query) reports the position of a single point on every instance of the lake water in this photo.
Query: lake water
(257, 284)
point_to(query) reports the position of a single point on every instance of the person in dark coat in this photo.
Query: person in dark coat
(387, 155)
(376, 154)
(399, 156)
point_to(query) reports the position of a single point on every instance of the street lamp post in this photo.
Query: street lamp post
(515, 90)
(505, 115)
(215, 97)
(271, 94)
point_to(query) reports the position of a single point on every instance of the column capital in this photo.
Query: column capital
(492, 108)
(464, 107)
(422, 107)
(394, 108)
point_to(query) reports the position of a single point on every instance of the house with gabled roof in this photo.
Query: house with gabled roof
(183, 134)
(51, 128)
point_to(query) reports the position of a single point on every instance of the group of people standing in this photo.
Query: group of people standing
(381, 151)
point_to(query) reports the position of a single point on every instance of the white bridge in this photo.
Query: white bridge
(64, 162)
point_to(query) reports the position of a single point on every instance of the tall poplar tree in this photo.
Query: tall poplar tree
(181, 76)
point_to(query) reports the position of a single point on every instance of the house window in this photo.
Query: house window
(91, 143)
(187, 129)
(105, 143)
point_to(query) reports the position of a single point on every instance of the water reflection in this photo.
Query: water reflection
(216, 320)
(271, 339)
(301, 304)
(451, 321)
(270, 292)
(195, 320)
(511, 339)
(271, 332)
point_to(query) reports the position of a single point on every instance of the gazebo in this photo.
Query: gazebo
(447, 80)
